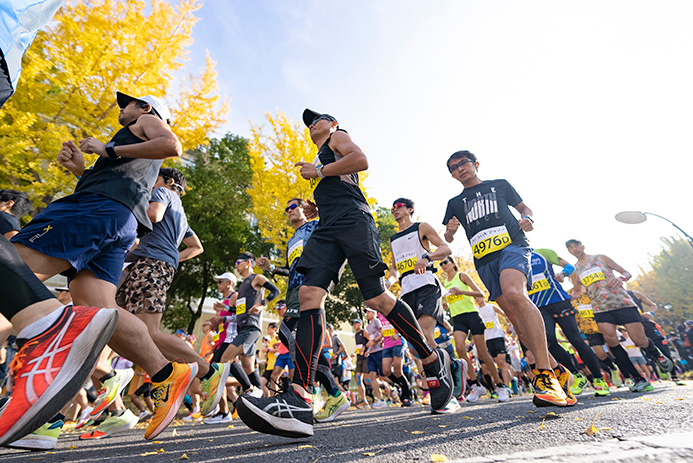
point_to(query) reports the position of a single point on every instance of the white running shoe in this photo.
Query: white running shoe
(503, 394)
(476, 392)
(379, 404)
(219, 418)
(452, 407)
(255, 392)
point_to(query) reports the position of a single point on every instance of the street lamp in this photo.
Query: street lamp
(635, 217)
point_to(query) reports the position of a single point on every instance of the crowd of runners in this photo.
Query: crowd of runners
(441, 341)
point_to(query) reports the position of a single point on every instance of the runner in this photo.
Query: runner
(465, 319)
(347, 232)
(361, 339)
(555, 307)
(502, 259)
(337, 402)
(392, 363)
(495, 337)
(412, 264)
(374, 356)
(13, 206)
(612, 307)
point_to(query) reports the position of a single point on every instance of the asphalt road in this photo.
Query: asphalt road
(395, 434)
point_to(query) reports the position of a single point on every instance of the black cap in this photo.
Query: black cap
(309, 116)
(246, 256)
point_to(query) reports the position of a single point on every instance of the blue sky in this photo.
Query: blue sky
(586, 108)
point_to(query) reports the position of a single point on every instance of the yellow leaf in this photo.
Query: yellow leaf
(174, 433)
(305, 447)
(157, 441)
(605, 429)
(146, 454)
(466, 417)
(578, 419)
(531, 411)
(417, 432)
(551, 414)
(229, 426)
(442, 425)
(72, 447)
(437, 457)
(658, 402)
(160, 451)
(368, 454)
(591, 430)
(182, 457)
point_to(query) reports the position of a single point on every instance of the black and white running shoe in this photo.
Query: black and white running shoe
(439, 380)
(285, 414)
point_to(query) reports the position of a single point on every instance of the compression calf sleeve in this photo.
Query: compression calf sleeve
(309, 334)
(255, 380)
(20, 288)
(402, 318)
(239, 373)
(323, 374)
(623, 362)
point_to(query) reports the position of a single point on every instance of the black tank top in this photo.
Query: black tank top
(126, 180)
(337, 196)
(248, 297)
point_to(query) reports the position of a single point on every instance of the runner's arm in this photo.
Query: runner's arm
(625, 275)
(645, 300)
(194, 248)
(526, 223)
(467, 280)
(426, 232)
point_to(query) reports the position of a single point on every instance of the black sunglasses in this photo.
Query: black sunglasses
(319, 118)
(290, 207)
(456, 166)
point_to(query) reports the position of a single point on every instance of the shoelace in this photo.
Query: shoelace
(543, 381)
(158, 395)
(17, 362)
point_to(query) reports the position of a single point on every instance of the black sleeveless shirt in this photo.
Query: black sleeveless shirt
(247, 298)
(126, 180)
(336, 196)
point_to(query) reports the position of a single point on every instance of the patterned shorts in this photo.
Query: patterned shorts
(144, 285)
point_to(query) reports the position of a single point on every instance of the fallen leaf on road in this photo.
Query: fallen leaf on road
(157, 441)
(578, 419)
(210, 440)
(229, 426)
(72, 447)
(300, 447)
(160, 451)
(50, 453)
(437, 457)
(551, 414)
(466, 417)
(591, 431)
(542, 424)
(368, 454)
(615, 398)
(182, 457)
(146, 454)
(531, 411)
(442, 425)
(417, 432)
(680, 398)
(658, 402)
(174, 433)
(605, 429)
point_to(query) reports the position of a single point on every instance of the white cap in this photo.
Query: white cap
(158, 105)
(368, 309)
(227, 276)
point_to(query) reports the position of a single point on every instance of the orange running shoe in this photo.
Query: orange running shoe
(168, 396)
(547, 391)
(566, 379)
(50, 368)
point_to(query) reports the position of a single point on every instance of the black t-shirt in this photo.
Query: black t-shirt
(484, 212)
(336, 196)
(360, 338)
(8, 223)
(336, 345)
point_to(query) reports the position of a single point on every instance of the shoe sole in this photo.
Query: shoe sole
(220, 389)
(285, 427)
(539, 402)
(342, 408)
(446, 366)
(34, 442)
(84, 353)
(173, 410)
(98, 410)
(122, 427)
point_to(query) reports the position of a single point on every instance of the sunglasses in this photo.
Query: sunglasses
(454, 167)
(319, 118)
(240, 261)
(397, 206)
(290, 207)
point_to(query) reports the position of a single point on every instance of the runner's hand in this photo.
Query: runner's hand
(310, 210)
(263, 263)
(420, 267)
(307, 169)
(255, 309)
(91, 145)
(613, 283)
(71, 158)
(218, 306)
(525, 224)
(452, 226)
(560, 276)
(216, 320)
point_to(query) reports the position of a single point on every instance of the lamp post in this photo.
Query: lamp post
(635, 217)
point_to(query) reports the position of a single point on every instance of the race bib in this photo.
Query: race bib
(389, 332)
(490, 240)
(359, 348)
(314, 183)
(586, 311)
(436, 333)
(451, 298)
(539, 283)
(295, 251)
(240, 306)
(593, 275)
(489, 325)
(406, 262)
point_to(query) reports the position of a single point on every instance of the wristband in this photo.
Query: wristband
(110, 150)
(318, 170)
(272, 268)
(529, 217)
(391, 280)
(568, 269)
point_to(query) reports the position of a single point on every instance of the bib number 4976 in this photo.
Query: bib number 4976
(490, 240)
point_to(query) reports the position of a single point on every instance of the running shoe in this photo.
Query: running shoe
(144, 414)
(111, 425)
(219, 418)
(255, 392)
(44, 438)
(452, 407)
(167, 397)
(363, 404)
(426, 399)
(503, 393)
(579, 384)
(663, 362)
(406, 402)
(214, 386)
(641, 385)
(84, 416)
(476, 392)
(110, 389)
(439, 380)
(459, 376)
(286, 414)
(600, 387)
(616, 378)
(663, 375)
(333, 408)
(630, 384)
(50, 368)
(566, 379)
(380, 403)
(547, 391)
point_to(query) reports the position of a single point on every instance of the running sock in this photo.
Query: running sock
(607, 364)
(623, 362)
(20, 288)
(163, 374)
(254, 378)
(209, 374)
(109, 375)
(323, 374)
(240, 375)
(117, 412)
(402, 318)
(309, 335)
(58, 417)
(40, 325)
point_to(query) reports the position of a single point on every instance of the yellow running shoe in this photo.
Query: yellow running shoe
(168, 395)
(600, 387)
(547, 391)
(214, 386)
(566, 380)
(333, 408)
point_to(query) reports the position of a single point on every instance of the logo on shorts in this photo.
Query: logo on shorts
(372, 266)
(39, 235)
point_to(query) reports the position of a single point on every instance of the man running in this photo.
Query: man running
(502, 259)
(612, 307)
(495, 337)
(337, 401)
(347, 232)
(466, 318)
